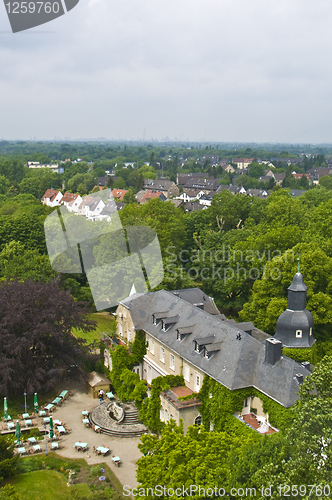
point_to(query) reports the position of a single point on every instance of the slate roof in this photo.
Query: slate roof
(182, 178)
(238, 363)
(158, 184)
(102, 181)
(210, 184)
(196, 297)
(297, 192)
(279, 177)
(111, 207)
(190, 206)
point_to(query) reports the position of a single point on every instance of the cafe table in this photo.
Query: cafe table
(102, 449)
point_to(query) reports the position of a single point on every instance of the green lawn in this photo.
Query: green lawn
(46, 485)
(105, 323)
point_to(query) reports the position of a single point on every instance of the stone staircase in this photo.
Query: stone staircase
(131, 417)
(129, 427)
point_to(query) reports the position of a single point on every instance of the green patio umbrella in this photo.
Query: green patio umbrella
(51, 428)
(5, 408)
(18, 433)
(35, 403)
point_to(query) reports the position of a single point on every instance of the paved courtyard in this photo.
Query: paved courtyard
(126, 448)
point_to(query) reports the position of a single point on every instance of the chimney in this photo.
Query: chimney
(299, 378)
(272, 350)
(306, 364)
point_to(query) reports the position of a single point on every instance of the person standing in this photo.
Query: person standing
(101, 396)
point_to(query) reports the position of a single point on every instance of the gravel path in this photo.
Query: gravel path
(126, 448)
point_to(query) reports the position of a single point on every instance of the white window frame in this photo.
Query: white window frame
(197, 385)
(186, 368)
(172, 362)
(129, 336)
(298, 334)
(151, 344)
(310, 332)
(121, 329)
(162, 354)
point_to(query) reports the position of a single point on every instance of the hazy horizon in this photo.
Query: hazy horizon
(213, 71)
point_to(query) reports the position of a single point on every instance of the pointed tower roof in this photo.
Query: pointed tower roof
(295, 325)
(298, 284)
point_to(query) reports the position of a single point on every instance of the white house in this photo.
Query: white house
(91, 207)
(52, 198)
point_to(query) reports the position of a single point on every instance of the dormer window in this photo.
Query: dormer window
(202, 342)
(211, 349)
(298, 334)
(167, 323)
(157, 317)
(198, 348)
(183, 332)
(310, 332)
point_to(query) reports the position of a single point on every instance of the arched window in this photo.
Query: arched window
(198, 420)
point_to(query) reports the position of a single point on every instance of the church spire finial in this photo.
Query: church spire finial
(298, 264)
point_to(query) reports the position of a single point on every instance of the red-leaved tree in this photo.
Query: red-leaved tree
(36, 343)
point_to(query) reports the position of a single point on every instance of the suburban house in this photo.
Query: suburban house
(145, 195)
(119, 193)
(110, 208)
(317, 173)
(74, 203)
(299, 176)
(192, 206)
(52, 198)
(167, 187)
(191, 194)
(279, 178)
(68, 197)
(186, 334)
(206, 199)
(181, 179)
(103, 181)
(257, 193)
(227, 167)
(242, 163)
(207, 185)
(91, 207)
(52, 166)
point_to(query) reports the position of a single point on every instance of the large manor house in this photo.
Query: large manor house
(186, 335)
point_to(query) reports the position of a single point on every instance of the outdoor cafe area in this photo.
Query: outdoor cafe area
(38, 417)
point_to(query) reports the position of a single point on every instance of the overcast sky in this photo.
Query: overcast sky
(220, 70)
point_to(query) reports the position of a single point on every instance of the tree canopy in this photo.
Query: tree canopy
(36, 320)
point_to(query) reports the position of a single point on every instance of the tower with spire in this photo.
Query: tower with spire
(294, 326)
